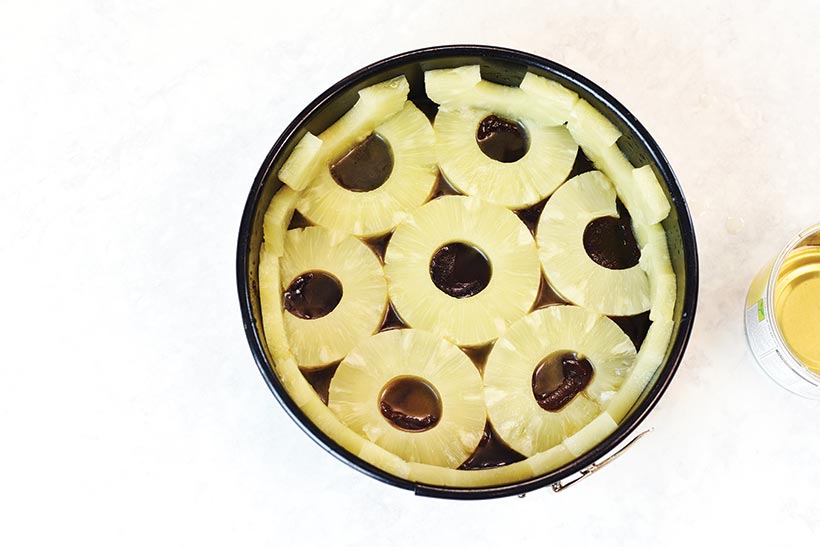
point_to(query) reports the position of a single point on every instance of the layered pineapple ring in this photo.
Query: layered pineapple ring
(498, 234)
(362, 376)
(508, 375)
(377, 211)
(568, 267)
(536, 175)
(317, 342)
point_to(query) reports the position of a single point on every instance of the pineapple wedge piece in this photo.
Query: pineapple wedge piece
(639, 189)
(651, 355)
(593, 433)
(270, 298)
(361, 378)
(410, 183)
(501, 237)
(537, 98)
(447, 85)
(508, 375)
(524, 182)
(299, 168)
(535, 465)
(276, 220)
(375, 105)
(317, 342)
(658, 267)
(568, 267)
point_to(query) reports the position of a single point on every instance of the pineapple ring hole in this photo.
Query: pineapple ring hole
(410, 403)
(610, 242)
(460, 270)
(559, 378)
(312, 295)
(365, 167)
(502, 140)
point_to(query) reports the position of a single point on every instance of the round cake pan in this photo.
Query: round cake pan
(503, 66)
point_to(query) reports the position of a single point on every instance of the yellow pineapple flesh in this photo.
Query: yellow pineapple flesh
(317, 342)
(568, 267)
(497, 233)
(411, 181)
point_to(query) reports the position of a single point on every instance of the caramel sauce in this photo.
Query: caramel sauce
(298, 220)
(502, 140)
(558, 378)
(391, 319)
(460, 270)
(379, 244)
(312, 295)
(491, 452)
(610, 243)
(531, 215)
(546, 296)
(582, 164)
(635, 326)
(364, 167)
(410, 403)
(478, 354)
(319, 379)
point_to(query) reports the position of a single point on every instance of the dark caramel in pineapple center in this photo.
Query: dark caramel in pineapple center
(312, 295)
(502, 140)
(410, 403)
(610, 243)
(558, 378)
(364, 167)
(460, 270)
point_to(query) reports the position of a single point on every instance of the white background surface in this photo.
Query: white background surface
(131, 411)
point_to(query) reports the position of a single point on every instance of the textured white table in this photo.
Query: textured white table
(131, 412)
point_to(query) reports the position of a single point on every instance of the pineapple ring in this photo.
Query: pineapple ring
(317, 342)
(535, 176)
(511, 405)
(356, 387)
(568, 267)
(376, 212)
(502, 238)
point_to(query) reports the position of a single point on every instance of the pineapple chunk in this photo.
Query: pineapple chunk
(317, 342)
(446, 85)
(356, 389)
(554, 101)
(656, 206)
(651, 355)
(590, 128)
(536, 175)
(538, 99)
(568, 267)
(639, 189)
(300, 166)
(376, 103)
(592, 434)
(277, 218)
(656, 263)
(501, 237)
(511, 404)
(410, 183)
